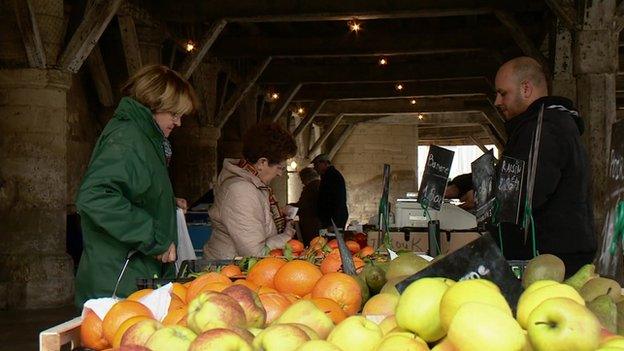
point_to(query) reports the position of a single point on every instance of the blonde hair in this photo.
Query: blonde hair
(162, 89)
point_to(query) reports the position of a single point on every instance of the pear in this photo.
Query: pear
(543, 267)
(407, 263)
(305, 312)
(600, 286)
(390, 286)
(605, 309)
(375, 277)
(620, 318)
(582, 276)
(363, 287)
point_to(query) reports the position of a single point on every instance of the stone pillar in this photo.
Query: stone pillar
(595, 68)
(33, 188)
(563, 83)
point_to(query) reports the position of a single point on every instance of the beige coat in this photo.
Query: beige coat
(242, 224)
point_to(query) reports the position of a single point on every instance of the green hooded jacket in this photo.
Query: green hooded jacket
(125, 203)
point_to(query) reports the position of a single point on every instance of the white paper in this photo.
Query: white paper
(290, 211)
(185, 250)
(100, 306)
(158, 301)
(392, 254)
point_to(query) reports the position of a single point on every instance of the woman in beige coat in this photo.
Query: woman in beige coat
(246, 218)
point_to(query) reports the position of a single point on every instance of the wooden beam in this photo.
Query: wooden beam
(496, 141)
(619, 17)
(565, 11)
(522, 39)
(130, 43)
(288, 96)
(190, 64)
(316, 107)
(99, 75)
(444, 132)
(226, 67)
(326, 133)
(457, 119)
(240, 93)
(478, 143)
(429, 68)
(346, 133)
(27, 24)
(95, 21)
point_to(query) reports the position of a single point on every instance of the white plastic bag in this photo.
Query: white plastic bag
(185, 246)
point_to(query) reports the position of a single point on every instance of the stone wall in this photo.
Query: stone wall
(361, 161)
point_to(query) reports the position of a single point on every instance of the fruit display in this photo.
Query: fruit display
(289, 303)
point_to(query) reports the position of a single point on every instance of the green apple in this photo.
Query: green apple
(355, 333)
(613, 341)
(280, 337)
(311, 333)
(139, 333)
(171, 338)
(249, 302)
(539, 284)
(609, 348)
(477, 327)
(395, 342)
(418, 309)
(444, 345)
(529, 300)
(219, 339)
(473, 290)
(305, 312)
(214, 310)
(318, 345)
(388, 324)
(560, 323)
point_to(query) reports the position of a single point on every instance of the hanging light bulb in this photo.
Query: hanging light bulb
(189, 46)
(399, 86)
(420, 116)
(383, 61)
(413, 101)
(274, 96)
(300, 110)
(354, 25)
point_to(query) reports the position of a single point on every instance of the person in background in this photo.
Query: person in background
(461, 188)
(332, 194)
(308, 205)
(126, 202)
(562, 206)
(246, 218)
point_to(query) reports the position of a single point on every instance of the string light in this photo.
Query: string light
(383, 61)
(189, 46)
(413, 101)
(300, 110)
(399, 87)
(420, 116)
(354, 25)
(272, 95)
(293, 165)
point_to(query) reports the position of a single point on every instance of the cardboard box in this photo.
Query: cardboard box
(419, 241)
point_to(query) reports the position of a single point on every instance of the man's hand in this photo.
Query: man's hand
(181, 203)
(169, 255)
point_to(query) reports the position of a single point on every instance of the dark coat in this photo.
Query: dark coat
(562, 205)
(308, 205)
(333, 199)
(125, 203)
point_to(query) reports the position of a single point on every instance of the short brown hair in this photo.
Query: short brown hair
(308, 174)
(162, 89)
(268, 140)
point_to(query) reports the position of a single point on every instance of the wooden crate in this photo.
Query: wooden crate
(66, 333)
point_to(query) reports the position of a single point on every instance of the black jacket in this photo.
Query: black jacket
(308, 205)
(333, 199)
(562, 205)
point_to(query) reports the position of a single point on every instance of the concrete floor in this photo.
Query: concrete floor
(19, 329)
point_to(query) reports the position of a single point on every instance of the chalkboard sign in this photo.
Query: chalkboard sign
(479, 259)
(483, 174)
(509, 189)
(435, 177)
(609, 262)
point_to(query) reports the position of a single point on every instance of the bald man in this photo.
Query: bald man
(562, 206)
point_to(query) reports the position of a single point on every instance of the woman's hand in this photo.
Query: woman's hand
(169, 255)
(181, 203)
(290, 228)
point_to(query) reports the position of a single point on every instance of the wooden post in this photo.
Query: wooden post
(27, 24)
(341, 140)
(209, 38)
(99, 74)
(326, 133)
(130, 43)
(288, 97)
(478, 143)
(316, 107)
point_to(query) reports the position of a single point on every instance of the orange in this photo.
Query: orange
(91, 332)
(333, 244)
(214, 286)
(307, 296)
(135, 296)
(333, 263)
(274, 304)
(331, 309)
(342, 288)
(197, 285)
(381, 304)
(318, 242)
(291, 297)
(118, 314)
(263, 272)
(296, 245)
(231, 270)
(276, 253)
(297, 277)
(366, 251)
(175, 316)
(176, 303)
(179, 290)
(246, 283)
(353, 246)
(124, 327)
(265, 289)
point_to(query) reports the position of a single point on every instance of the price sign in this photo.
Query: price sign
(509, 189)
(435, 177)
(483, 174)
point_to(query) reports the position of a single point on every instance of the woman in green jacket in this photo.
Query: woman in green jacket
(126, 202)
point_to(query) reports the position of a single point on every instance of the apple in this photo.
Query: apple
(250, 303)
(309, 331)
(473, 290)
(444, 345)
(531, 299)
(402, 342)
(478, 326)
(613, 341)
(254, 331)
(318, 345)
(139, 333)
(214, 310)
(388, 324)
(356, 333)
(131, 348)
(539, 284)
(609, 348)
(220, 339)
(243, 333)
(280, 337)
(559, 324)
(171, 338)
(305, 312)
(418, 309)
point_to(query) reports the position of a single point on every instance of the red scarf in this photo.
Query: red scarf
(278, 217)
